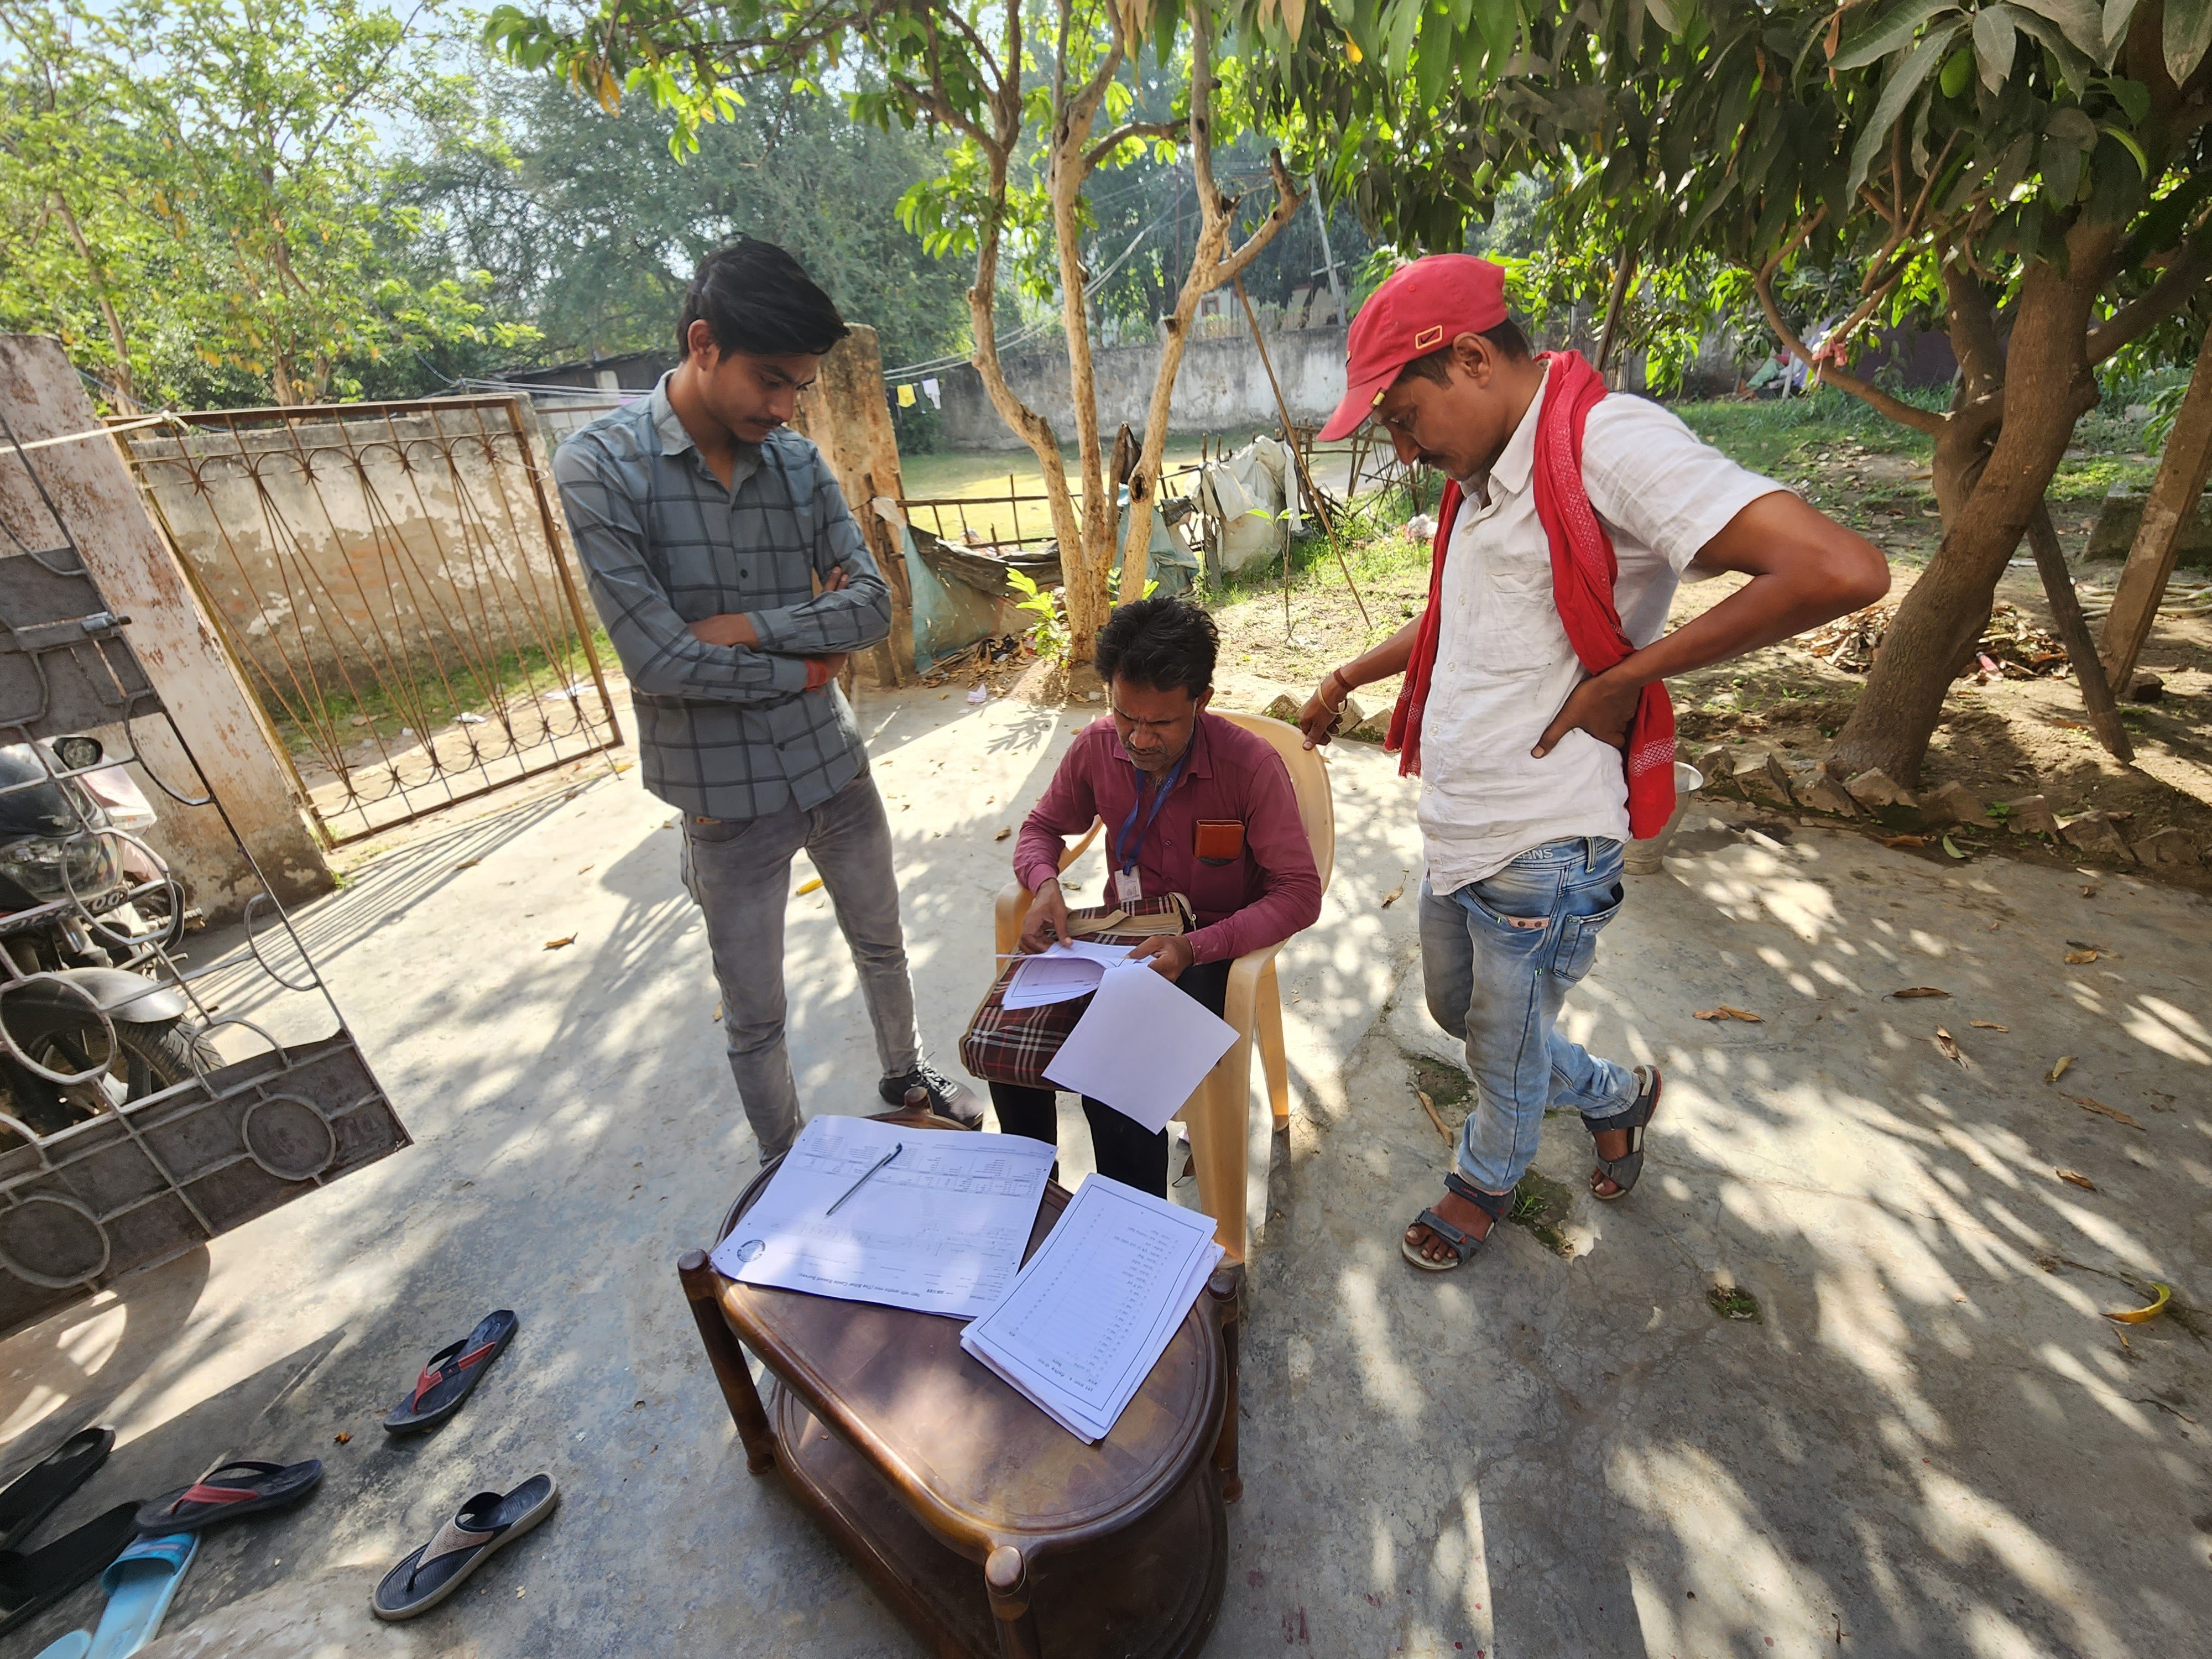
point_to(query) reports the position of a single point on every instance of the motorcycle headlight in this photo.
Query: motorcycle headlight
(50, 868)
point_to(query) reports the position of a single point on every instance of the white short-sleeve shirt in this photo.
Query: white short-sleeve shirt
(1504, 666)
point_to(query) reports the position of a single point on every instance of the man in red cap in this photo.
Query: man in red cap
(1535, 706)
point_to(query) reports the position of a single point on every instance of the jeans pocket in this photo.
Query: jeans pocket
(1513, 913)
(715, 832)
(1577, 947)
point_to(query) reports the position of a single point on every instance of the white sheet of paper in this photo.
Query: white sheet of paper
(938, 1229)
(1062, 974)
(1091, 1313)
(1142, 1045)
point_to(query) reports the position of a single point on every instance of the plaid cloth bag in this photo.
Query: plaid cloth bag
(1014, 1045)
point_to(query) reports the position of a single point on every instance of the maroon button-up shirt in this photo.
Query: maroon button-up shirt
(1261, 897)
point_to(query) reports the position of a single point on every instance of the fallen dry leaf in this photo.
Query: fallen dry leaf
(1726, 1012)
(1003, 833)
(718, 1014)
(1949, 1045)
(1430, 1107)
(1988, 1026)
(1918, 991)
(809, 884)
(2160, 1295)
(2090, 1103)
(344, 1438)
(556, 944)
(1392, 897)
(2059, 1070)
(2079, 956)
(2075, 1178)
(588, 866)
(468, 863)
(1905, 841)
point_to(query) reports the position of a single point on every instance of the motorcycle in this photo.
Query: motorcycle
(85, 906)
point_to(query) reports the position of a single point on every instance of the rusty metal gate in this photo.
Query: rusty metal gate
(392, 580)
(134, 1125)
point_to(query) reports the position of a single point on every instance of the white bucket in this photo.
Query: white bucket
(1644, 858)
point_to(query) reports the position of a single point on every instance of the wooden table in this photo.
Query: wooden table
(990, 1530)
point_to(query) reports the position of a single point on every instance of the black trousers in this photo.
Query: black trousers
(1122, 1148)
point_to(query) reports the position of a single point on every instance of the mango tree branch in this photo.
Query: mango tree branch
(1905, 414)
(2177, 285)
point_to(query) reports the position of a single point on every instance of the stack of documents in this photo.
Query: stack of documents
(1062, 974)
(1089, 1314)
(939, 1228)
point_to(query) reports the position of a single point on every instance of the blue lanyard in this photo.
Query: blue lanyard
(1125, 847)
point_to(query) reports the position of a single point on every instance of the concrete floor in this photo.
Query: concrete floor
(1928, 1442)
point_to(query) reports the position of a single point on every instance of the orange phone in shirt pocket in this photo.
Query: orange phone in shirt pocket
(1219, 841)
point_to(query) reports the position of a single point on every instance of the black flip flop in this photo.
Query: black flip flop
(451, 1372)
(29, 1584)
(479, 1529)
(31, 1499)
(229, 1491)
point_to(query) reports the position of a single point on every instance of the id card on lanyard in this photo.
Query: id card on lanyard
(1128, 886)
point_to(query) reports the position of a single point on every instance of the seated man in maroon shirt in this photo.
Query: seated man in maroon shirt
(1191, 803)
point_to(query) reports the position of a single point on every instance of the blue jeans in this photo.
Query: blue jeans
(1497, 958)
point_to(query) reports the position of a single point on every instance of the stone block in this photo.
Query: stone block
(1819, 790)
(2032, 816)
(2170, 848)
(2146, 687)
(2095, 832)
(1874, 787)
(1764, 780)
(1284, 708)
(2122, 516)
(1953, 803)
(1718, 765)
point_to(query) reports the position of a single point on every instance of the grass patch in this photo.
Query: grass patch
(433, 700)
(1785, 435)
(1540, 1204)
(1730, 1302)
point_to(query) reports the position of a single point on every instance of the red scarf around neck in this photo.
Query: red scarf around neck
(1582, 572)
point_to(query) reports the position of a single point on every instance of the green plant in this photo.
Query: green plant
(1730, 1302)
(1049, 632)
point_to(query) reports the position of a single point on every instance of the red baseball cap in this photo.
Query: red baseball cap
(1422, 305)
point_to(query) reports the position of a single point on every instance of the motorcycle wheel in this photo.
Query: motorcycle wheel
(148, 1058)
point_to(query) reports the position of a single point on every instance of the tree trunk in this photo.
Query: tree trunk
(1210, 266)
(2047, 387)
(1083, 578)
(2173, 497)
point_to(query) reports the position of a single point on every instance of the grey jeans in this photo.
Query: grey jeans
(738, 869)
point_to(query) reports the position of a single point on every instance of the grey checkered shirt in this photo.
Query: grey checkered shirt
(725, 732)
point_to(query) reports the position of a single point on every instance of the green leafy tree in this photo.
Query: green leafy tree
(1034, 99)
(594, 227)
(197, 196)
(2033, 174)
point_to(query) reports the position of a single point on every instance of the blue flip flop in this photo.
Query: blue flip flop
(140, 1582)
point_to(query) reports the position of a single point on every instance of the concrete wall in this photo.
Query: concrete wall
(432, 546)
(208, 704)
(1221, 386)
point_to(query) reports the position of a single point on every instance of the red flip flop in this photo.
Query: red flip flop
(452, 1373)
(227, 1492)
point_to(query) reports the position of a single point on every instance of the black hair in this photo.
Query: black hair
(1160, 643)
(1508, 337)
(758, 301)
